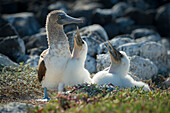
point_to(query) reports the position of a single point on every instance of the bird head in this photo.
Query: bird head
(58, 17)
(120, 62)
(80, 47)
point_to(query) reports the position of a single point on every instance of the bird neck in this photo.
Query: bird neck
(119, 70)
(55, 34)
(80, 56)
(57, 39)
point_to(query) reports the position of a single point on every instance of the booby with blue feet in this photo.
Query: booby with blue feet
(75, 72)
(53, 60)
(118, 71)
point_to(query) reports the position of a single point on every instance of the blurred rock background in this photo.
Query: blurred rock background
(141, 28)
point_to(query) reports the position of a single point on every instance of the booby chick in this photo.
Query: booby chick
(53, 60)
(75, 73)
(118, 71)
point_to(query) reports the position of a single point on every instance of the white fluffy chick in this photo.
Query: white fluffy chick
(118, 71)
(75, 73)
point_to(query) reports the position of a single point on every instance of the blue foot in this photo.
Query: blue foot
(45, 99)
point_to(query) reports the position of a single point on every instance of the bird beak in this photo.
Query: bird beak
(77, 40)
(114, 54)
(68, 20)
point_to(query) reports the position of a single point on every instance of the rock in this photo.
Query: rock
(93, 35)
(95, 29)
(162, 20)
(36, 51)
(90, 64)
(33, 61)
(153, 38)
(84, 9)
(109, 3)
(120, 8)
(143, 68)
(165, 43)
(141, 32)
(167, 83)
(36, 41)
(59, 5)
(40, 10)
(5, 61)
(124, 24)
(13, 47)
(22, 58)
(112, 29)
(154, 51)
(168, 61)
(139, 17)
(25, 23)
(14, 107)
(152, 13)
(102, 16)
(116, 42)
(103, 61)
(139, 4)
(6, 29)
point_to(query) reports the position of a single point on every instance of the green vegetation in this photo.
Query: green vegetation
(21, 84)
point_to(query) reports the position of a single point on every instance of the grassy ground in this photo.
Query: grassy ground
(21, 85)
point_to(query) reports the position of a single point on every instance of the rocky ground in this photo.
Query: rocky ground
(141, 28)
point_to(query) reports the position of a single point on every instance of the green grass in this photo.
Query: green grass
(21, 82)
(125, 100)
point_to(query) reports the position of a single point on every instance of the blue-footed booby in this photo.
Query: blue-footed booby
(118, 71)
(53, 60)
(75, 73)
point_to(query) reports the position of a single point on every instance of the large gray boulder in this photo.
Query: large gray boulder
(5, 61)
(13, 47)
(38, 40)
(116, 42)
(25, 23)
(151, 50)
(150, 38)
(143, 68)
(6, 29)
(33, 61)
(102, 16)
(165, 43)
(84, 9)
(120, 8)
(90, 64)
(162, 20)
(103, 61)
(142, 32)
(14, 107)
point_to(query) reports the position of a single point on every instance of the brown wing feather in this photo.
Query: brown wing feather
(41, 67)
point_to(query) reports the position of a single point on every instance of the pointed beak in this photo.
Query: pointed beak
(65, 19)
(114, 54)
(77, 40)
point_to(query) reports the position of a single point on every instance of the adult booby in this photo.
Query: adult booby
(53, 60)
(118, 71)
(75, 73)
